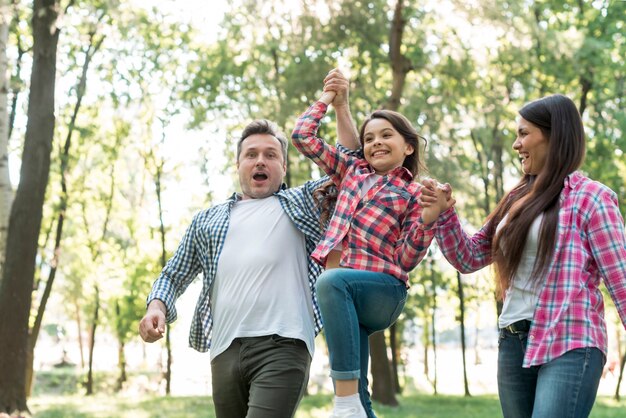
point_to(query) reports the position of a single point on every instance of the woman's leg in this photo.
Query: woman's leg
(516, 385)
(567, 386)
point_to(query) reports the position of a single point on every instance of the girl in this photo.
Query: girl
(377, 234)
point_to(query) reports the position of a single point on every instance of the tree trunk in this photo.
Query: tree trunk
(432, 324)
(92, 341)
(79, 329)
(121, 357)
(168, 362)
(477, 359)
(26, 212)
(426, 341)
(382, 389)
(400, 64)
(158, 174)
(621, 375)
(121, 364)
(462, 323)
(395, 345)
(63, 204)
(6, 190)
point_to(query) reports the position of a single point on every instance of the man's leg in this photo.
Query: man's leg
(230, 390)
(278, 371)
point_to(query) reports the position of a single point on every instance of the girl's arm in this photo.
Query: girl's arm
(304, 138)
(415, 237)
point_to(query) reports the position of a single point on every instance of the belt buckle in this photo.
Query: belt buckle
(515, 330)
(511, 329)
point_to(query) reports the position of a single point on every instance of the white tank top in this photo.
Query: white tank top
(522, 296)
(261, 286)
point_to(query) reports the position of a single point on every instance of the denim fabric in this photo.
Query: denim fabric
(565, 387)
(355, 304)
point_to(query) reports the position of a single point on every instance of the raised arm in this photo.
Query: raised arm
(304, 138)
(347, 133)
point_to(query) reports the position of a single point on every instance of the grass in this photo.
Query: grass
(315, 406)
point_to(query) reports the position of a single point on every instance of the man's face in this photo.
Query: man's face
(261, 166)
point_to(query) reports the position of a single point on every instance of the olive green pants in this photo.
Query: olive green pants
(260, 377)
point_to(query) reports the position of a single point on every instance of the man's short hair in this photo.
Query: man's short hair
(263, 127)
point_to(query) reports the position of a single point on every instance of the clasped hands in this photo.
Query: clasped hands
(434, 198)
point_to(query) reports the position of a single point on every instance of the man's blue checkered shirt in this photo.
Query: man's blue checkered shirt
(202, 244)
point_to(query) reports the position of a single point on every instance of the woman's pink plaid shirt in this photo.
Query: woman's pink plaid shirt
(590, 246)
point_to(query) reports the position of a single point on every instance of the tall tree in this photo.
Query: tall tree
(26, 212)
(6, 190)
(91, 49)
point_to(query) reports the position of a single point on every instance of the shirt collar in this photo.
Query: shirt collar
(236, 197)
(572, 180)
(401, 171)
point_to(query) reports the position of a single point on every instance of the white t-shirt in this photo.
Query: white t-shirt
(261, 286)
(521, 298)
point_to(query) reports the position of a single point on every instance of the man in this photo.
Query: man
(257, 311)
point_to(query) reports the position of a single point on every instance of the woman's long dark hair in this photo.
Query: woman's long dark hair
(326, 195)
(558, 119)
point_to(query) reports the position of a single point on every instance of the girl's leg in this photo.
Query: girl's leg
(354, 304)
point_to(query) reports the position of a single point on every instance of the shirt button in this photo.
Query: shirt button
(531, 336)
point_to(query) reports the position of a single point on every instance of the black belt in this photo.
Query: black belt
(519, 326)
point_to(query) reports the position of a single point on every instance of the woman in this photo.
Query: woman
(552, 239)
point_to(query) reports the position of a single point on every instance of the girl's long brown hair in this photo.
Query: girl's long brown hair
(560, 122)
(326, 195)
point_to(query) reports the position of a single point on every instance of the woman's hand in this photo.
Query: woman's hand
(434, 199)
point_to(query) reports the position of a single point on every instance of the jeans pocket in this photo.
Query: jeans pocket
(501, 337)
(286, 341)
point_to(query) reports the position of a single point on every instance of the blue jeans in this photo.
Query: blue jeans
(355, 304)
(565, 387)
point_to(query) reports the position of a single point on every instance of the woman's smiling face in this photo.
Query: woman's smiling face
(531, 146)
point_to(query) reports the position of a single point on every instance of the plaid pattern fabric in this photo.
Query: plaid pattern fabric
(381, 231)
(591, 246)
(200, 248)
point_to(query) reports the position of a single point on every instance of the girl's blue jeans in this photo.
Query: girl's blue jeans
(354, 304)
(565, 387)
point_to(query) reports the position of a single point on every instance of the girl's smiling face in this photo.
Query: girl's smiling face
(384, 148)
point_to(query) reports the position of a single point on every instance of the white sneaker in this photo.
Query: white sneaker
(349, 413)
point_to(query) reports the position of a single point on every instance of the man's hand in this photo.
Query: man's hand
(336, 81)
(152, 325)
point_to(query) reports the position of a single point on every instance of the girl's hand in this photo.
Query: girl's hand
(336, 81)
(327, 97)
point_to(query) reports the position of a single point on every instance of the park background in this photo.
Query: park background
(148, 98)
